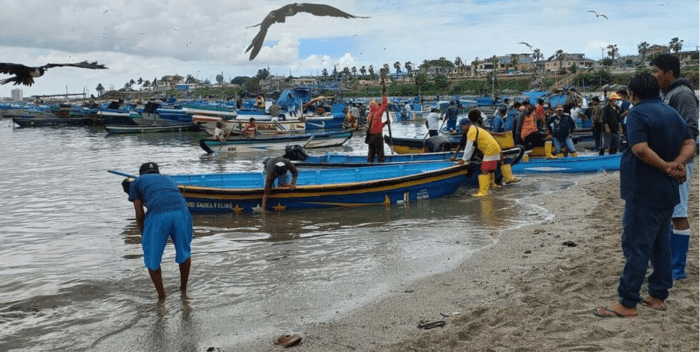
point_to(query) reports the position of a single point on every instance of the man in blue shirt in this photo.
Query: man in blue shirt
(451, 116)
(650, 171)
(560, 126)
(167, 216)
(498, 124)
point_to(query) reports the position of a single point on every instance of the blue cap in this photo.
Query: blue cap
(463, 121)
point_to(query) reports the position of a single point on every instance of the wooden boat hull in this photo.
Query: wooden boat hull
(326, 188)
(208, 123)
(242, 145)
(133, 129)
(580, 164)
(24, 121)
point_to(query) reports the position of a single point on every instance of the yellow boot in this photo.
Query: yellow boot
(484, 182)
(574, 154)
(492, 182)
(507, 173)
(548, 150)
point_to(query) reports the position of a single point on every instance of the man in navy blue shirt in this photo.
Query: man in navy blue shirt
(650, 171)
(167, 216)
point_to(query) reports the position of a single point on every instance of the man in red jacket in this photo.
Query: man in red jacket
(375, 140)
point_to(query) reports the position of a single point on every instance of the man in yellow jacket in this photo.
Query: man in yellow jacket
(478, 138)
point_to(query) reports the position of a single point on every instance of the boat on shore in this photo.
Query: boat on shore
(579, 164)
(308, 140)
(323, 188)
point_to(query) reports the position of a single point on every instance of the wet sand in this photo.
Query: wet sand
(528, 292)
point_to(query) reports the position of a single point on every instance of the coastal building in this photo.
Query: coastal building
(657, 49)
(566, 60)
(17, 95)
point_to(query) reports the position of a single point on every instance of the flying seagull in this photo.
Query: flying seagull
(279, 15)
(597, 15)
(25, 75)
(528, 45)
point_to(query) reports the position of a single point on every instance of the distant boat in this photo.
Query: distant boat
(579, 164)
(40, 121)
(133, 129)
(325, 188)
(241, 145)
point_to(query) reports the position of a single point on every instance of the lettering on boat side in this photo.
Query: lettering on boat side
(209, 205)
(422, 194)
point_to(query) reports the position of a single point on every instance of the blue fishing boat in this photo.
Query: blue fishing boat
(579, 164)
(321, 188)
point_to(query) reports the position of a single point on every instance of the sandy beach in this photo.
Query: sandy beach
(529, 292)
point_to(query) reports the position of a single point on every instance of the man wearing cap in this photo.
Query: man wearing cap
(279, 169)
(611, 126)
(167, 217)
(596, 115)
(560, 126)
(498, 124)
(679, 94)
(432, 121)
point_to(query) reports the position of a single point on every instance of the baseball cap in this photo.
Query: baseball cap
(149, 168)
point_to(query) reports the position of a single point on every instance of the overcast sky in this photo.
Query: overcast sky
(153, 38)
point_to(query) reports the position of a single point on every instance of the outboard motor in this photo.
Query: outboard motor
(295, 152)
(436, 144)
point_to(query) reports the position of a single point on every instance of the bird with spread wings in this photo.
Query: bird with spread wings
(279, 15)
(597, 15)
(25, 74)
(528, 45)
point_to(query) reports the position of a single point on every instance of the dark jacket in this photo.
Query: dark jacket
(681, 96)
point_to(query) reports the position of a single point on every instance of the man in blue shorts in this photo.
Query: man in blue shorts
(650, 171)
(680, 95)
(167, 216)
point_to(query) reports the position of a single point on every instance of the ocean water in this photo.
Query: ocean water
(72, 275)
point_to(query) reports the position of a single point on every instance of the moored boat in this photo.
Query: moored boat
(240, 145)
(579, 164)
(325, 188)
(132, 129)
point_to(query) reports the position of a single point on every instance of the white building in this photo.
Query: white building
(17, 94)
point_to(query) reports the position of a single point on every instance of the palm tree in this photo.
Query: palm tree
(363, 70)
(537, 55)
(409, 66)
(612, 51)
(397, 66)
(99, 89)
(559, 54)
(324, 73)
(189, 79)
(458, 61)
(642, 48)
(371, 70)
(354, 71)
(675, 45)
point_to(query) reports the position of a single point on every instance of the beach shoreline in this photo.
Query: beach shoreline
(528, 292)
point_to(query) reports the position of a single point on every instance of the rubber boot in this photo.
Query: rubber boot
(492, 183)
(679, 252)
(507, 173)
(484, 182)
(548, 150)
(574, 154)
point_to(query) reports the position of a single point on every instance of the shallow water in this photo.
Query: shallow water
(73, 277)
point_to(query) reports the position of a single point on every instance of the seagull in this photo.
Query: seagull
(597, 15)
(279, 15)
(528, 45)
(25, 75)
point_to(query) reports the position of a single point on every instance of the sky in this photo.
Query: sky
(152, 38)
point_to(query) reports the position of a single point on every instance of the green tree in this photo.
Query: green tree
(458, 61)
(675, 45)
(189, 79)
(397, 66)
(514, 61)
(263, 74)
(363, 70)
(220, 78)
(559, 55)
(324, 73)
(100, 89)
(642, 49)
(573, 68)
(441, 81)
(612, 51)
(240, 80)
(607, 62)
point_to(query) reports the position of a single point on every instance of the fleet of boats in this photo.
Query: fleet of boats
(421, 168)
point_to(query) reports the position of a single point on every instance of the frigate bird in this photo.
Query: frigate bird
(279, 15)
(597, 15)
(25, 75)
(528, 45)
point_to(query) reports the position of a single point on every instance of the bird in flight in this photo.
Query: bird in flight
(25, 75)
(279, 15)
(597, 15)
(528, 45)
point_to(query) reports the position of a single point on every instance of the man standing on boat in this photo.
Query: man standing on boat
(433, 122)
(283, 171)
(560, 127)
(451, 116)
(375, 140)
(650, 171)
(678, 93)
(167, 217)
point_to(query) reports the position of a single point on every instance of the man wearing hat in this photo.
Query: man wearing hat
(432, 121)
(595, 113)
(167, 217)
(279, 169)
(611, 126)
(560, 126)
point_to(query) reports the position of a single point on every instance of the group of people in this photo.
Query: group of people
(655, 174)
(250, 130)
